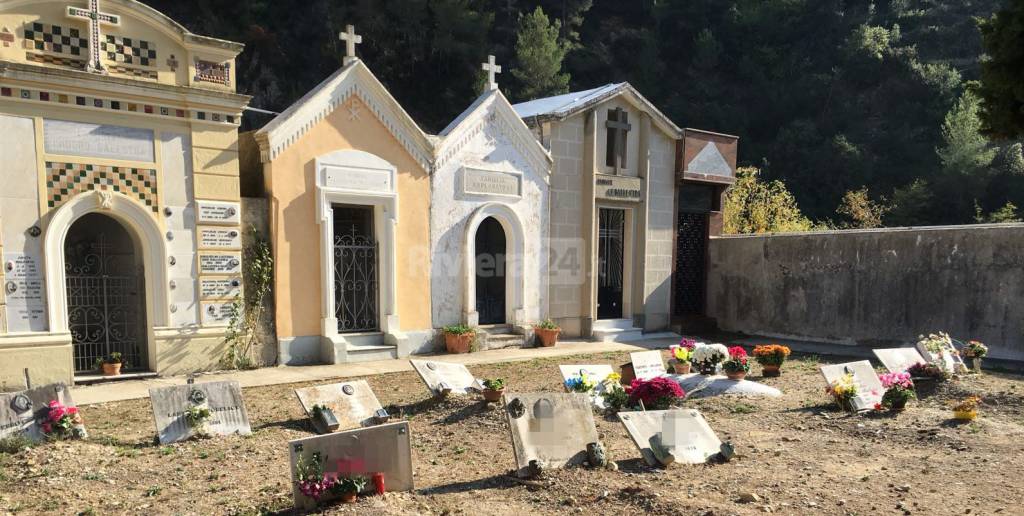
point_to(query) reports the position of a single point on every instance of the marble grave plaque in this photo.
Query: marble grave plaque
(898, 360)
(23, 290)
(224, 400)
(220, 288)
(446, 376)
(220, 238)
(97, 141)
(683, 436)
(948, 358)
(218, 212)
(491, 182)
(595, 372)
(217, 314)
(361, 179)
(353, 403)
(647, 364)
(227, 263)
(552, 428)
(24, 411)
(869, 387)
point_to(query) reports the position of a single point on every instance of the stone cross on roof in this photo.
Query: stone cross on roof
(351, 39)
(96, 19)
(491, 70)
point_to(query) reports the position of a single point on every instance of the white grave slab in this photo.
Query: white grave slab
(553, 429)
(898, 360)
(24, 411)
(700, 386)
(446, 376)
(353, 403)
(948, 358)
(683, 434)
(595, 372)
(225, 263)
(23, 290)
(220, 238)
(647, 364)
(220, 288)
(869, 387)
(216, 314)
(362, 452)
(223, 398)
(217, 212)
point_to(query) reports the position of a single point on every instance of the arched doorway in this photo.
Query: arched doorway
(490, 272)
(105, 279)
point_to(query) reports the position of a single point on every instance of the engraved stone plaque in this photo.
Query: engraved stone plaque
(647, 364)
(491, 182)
(453, 376)
(216, 314)
(23, 292)
(25, 411)
(683, 435)
(220, 238)
(869, 387)
(596, 373)
(618, 188)
(361, 179)
(218, 212)
(898, 360)
(219, 288)
(224, 399)
(353, 403)
(228, 263)
(551, 428)
(97, 141)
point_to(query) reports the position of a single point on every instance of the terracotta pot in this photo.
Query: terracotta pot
(770, 371)
(626, 371)
(547, 338)
(111, 369)
(493, 396)
(738, 375)
(456, 343)
(348, 497)
(681, 367)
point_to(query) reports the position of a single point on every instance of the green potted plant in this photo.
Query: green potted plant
(975, 351)
(899, 389)
(347, 488)
(110, 364)
(493, 389)
(458, 338)
(547, 331)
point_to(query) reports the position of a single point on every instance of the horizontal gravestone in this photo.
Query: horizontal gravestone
(25, 412)
(669, 436)
(443, 378)
(647, 364)
(351, 405)
(223, 399)
(948, 358)
(596, 373)
(898, 360)
(869, 387)
(551, 430)
(383, 449)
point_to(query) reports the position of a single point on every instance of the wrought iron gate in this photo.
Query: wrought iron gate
(104, 304)
(691, 256)
(610, 241)
(355, 282)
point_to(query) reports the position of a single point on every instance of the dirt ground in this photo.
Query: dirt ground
(797, 454)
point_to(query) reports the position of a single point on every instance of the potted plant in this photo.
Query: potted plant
(736, 366)
(458, 338)
(659, 393)
(966, 409)
(843, 390)
(615, 396)
(975, 351)
(547, 331)
(926, 377)
(707, 358)
(681, 355)
(110, 364)
(493, 389)
(348, 488)
(899, 389)
(771, 357)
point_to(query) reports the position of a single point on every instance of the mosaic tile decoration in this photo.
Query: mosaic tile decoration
(69, 41)
(65, 180)
(134, 72)
(77, 64)
(129, 51)
(208, 71)
(56, 38)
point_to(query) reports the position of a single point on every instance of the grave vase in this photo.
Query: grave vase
(348, 497)
(492, 395)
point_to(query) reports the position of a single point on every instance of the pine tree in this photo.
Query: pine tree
(1002, 74)
(539, 55)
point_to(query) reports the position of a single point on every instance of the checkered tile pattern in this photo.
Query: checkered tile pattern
(65, 180)
(77, 64)
(128, 51)
(56, 39)
(134, 72)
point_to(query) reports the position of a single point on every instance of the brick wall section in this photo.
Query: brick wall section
(660, 215)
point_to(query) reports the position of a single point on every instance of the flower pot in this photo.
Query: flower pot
(976, 363)
(348, 497)
(626, 371)
(492, 396)
(111, 369)
(736, 375)
(965, 415)
(547, 338)
(771, 371)
(681, 367)
(458, 343)
(898, 405)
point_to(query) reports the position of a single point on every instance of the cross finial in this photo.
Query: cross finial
(96, 18)
(491, 70)
(351, 39)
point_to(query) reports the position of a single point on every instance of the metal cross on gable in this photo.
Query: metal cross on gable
(492, 69)
(619, 125)
(96, 19)
(351, 39)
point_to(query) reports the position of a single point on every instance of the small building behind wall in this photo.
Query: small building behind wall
(119, 206)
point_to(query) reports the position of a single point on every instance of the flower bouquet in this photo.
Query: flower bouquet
(899, 389)
(310, 477)
(681, 354)
(580, 383)
(198, 419)
(966, 409)
(63, 422)
(843, 390)
(707, 357)
(658, 393)
(771, 357)
(736, 366)
(975, 351)
(614, 395)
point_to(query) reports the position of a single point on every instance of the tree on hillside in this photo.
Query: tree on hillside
(860, 211)
(755, 206)
(965, 156)
(1002, 73)
(539, 56)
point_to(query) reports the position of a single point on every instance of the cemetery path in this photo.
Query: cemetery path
(795, 455)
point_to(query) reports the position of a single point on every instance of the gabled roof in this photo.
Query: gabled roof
(560, 107)
(352, 79)
(491, 105)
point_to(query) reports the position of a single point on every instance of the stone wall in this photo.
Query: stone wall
(566, 228)
(874, 287)
(661, 208)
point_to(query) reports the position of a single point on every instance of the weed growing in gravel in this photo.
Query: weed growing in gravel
(167, 450)
(124, 451)
(92, 475)
(14, 444)
(742, 408)
(153, 491)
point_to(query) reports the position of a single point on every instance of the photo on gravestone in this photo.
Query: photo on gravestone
(578, 374)
(200, 409)
(382, 450)
(443, 378)
(665, 437)
(647, 364)
(341, 406)
(41, 413)
(898, 360)
(869, 387)
(549, 430)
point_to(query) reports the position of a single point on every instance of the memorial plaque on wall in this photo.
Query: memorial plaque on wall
(25, 411)
(220, 288)
(23, 292)
(227, 263)
(217, 212)
(491, 182)
(618, 188)
(362, 179)
(220, 238)
(217, 314)
(97, 141)
(223, 399)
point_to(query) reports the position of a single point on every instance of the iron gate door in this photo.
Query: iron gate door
(104, 304)
(355, 271)
(610, 237)
(691, 257)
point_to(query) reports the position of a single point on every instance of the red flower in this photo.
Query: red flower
(737, 352)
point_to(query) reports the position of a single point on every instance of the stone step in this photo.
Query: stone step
(502, 341)
(613, 324)
(496, 329)
(369, 353)
(92, 379)
(618, 334)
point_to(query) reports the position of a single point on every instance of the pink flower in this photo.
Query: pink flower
(737, 352)
(688, 343)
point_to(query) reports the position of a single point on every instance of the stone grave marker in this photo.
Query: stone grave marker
(647, 364)
(24, 411)
(224, 399)
(349, 405)
(898, 360)
(597, 373)
(383, 449)
(443, 378)
(671, 436)
(948, 358)
(550, 430)
(869, 387)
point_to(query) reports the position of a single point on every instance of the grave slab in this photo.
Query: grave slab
(869, 387)
(948, 358)
(898, 360)
(224, 400)
(684, 436)
(647, 364)
(361, 452)
(596, 372)
(552, 429)
(445, 377)
(700, 386)
(24, 411)
(353, 404)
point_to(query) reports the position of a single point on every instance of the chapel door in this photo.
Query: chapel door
(490, 272)
(106, 302)
(695, 204)
(610, 241)
(355, 270)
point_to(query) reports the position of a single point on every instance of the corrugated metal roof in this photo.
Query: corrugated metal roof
(561, 105)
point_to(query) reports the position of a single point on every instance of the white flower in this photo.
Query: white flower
(712, 353)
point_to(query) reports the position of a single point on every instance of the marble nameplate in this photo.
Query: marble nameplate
(361, 179)
(97, 141)
(353, 403)
(23, 293)
(228, 263)
(220, 288)
(671, 436)
(898, 360)
(491, 182)
(869, 387)
(217, 314)
(553, 429)
(218, 212)
(618, 188)
(647, 364)
(223, 399)
(446, 377)
(25, 411)
(220, 238)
